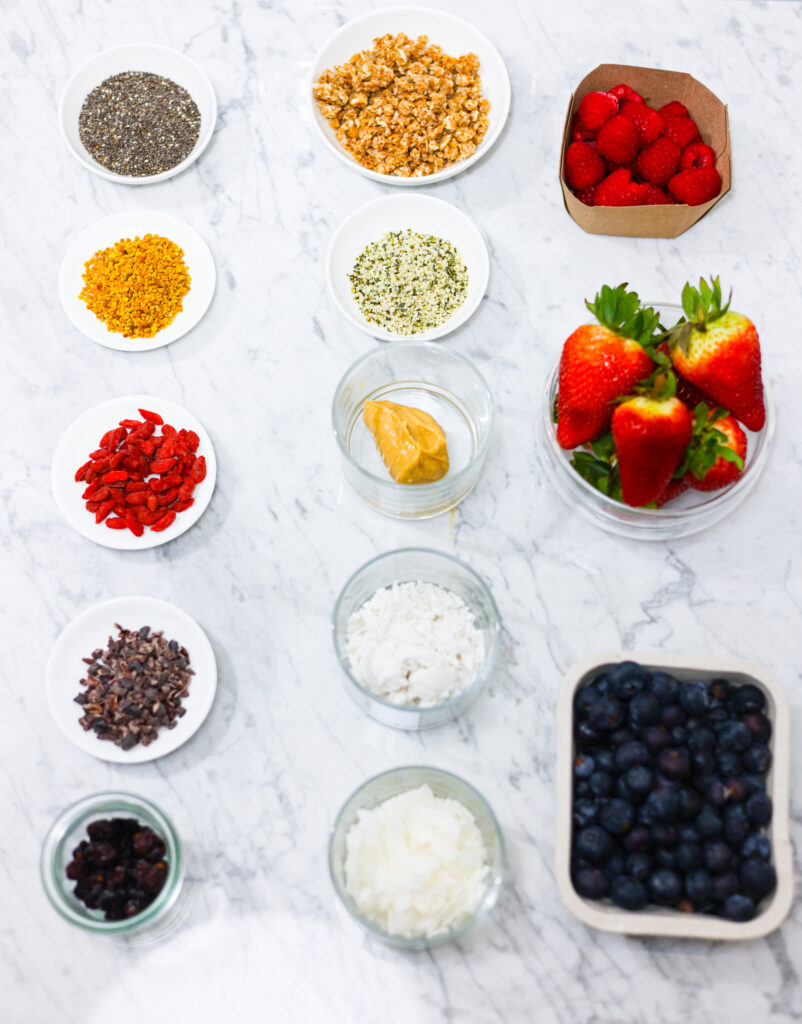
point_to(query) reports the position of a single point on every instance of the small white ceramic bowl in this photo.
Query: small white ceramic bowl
(456, 38)
(426, 215)
(90, 630)
(603, 914)
(158, 60)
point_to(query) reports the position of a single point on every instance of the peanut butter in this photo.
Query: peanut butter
(411, 442)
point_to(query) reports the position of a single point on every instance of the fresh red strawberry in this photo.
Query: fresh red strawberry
(719, 351)
(697, 154)
(624, 94)
(618, 140)
(658, 163)
(650, 434)
(596, 109)
(587, 195)
(580, 134)
(696, 186)
(673, 489)
(674, 109)
(649, 123)
(655, 196)
(681, 130)
(602, 361)
(583, 165)
(618, 189)
(716, 454)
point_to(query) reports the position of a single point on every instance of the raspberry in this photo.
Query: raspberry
(618, 189)
(681, 130)
(587, 195)
(618, 140)
(596, 109)
(655, 196)
(624, 94)
(674, 109)
(696, 186)
(659, 162)
(697, 155)
(649, 123)
(578, 133)
(583, 165)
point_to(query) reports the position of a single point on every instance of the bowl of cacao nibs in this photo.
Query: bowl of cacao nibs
(131, 679)
(672, 796)
(113, 863)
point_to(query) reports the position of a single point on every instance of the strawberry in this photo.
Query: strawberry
(624, 94)
(583, 165)
(596, 109)
(696, 186)
(649, 123)
(715, 456)
(681, 130)
(719, 351)
(650, 433)
(674, 109)
(655, 196)
(673, 489)
(618, 140)
(580, 134)
(697, 154)
(602, 361)
(658, 163)
(618, 189)
(688, 393)
(587, 195)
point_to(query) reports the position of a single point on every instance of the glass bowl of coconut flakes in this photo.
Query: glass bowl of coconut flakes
(416, 632)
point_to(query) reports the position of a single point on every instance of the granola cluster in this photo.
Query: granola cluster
(404, 107)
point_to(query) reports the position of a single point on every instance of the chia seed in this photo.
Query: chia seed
(139, 124)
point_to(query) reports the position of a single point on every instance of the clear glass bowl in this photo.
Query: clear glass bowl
(422, 564)
(425, 376)
(70, 828)
(443, 784)
(689, 513)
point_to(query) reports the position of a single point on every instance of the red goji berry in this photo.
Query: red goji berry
(156, 484)
(162, 465)
(192, 440)
(199, 469)
(131, 424)
(153, 417)
(135, 485)
(134, 525)
(106, 440)
(115, 475)
(186, 489)
(168, 497)
(168, 430)
(94, 486)
(152, 503)
(183, 505)
(146, 430)
(98, 453)
(92, 506)
(104, 510)
(90, 474)
(80, 473)
(101, 465)
(117, 459)
(147, 447)
(137, 498)
(120, 435)
(116, 524)
(166, 520)
(149, 518)
(102, 494)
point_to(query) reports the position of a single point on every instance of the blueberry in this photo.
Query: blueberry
(708, 823)
(638, 865)
(717, 855)
(663, 834)
(584, 697)
(586, 811)
(716, 793)
(627, 679)
(584, 766)
(582, 788)
(701, 738)
(617, 816)
(659, 806)
(672, 716)
(593, 844)
(622, 789)
(748, 698)
(759, 726)
(601, 783)
(703, 762)
(639, 781)
(679, 735)
(758, 878)
(738, 908)
(614, 866)
(606, 714)
(604, 760)
(662, 784)
(621, 736)
(628, 893)
(674, 762)
(719, 690)
(695, 698)
(698, 886)
(735, 736)
(690, 803)
(602, 683)
(757, 758)
(717, 717)
(664, 858)
(665, 887)
(663, 686)
(758, 808)
(723, 885)
(629, 754)
(736, 824)
(638, 838)
(590, 883)
(755, 783)
(656, 738)
(736, 790)
(687, 833)
(586, 735)
(756, 845)
(729, 763)
(688, 856)
(644, 710)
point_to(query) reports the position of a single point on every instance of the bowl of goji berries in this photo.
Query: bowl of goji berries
(134, 472)
(645, 153)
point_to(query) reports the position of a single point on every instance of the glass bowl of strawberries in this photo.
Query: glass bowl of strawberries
(656, 421)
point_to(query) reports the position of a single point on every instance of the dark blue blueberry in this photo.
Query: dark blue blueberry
(582, 788)
(586, 735)
(663, 834)
(590, 883)
(757, 758)
(758, 808)
(631, 753)
(638, 865)
(719, 690)
(626, 679)
(584, 697)
(716, 793)
(622, 789)
(689, 856)
(736, 790)
(628, 893)
(758, 878)
(699, 886)
(717, 855)
(621, 736)
(679, 735)
(644, 710)
(701, 783)
(738, 908)
(736, 824)
(601, 783)
(665, 887)
(586, 811)
(723, 885)
(695, 698)
(639, 781)
(617, 816)
(729, 763)
(614, 866)
(602, 683)
(660, 806)
(708, 823)
(606, 714)
(687, 833)
(662, 784)
(638, 838)
(716, 718)
(584, 766)
(735, 736)
(701, 738)
(759, 726)
(664, 858)
(593, 844)
(674, 762)
(604, 760)
(690, 803)
(656, 738)
(703, 762)
(672, 716)
(755, 783)
(748, 698)
(663, 686)
(756, 845)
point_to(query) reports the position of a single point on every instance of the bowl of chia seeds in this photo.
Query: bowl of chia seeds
(137, 114)
(407, 268)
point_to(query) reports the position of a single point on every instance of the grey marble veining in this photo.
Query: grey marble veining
(255, 792)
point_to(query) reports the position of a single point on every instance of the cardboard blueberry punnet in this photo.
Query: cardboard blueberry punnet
(657, 88)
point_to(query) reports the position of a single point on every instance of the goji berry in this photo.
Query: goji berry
(157, 485)
(148, 447)
(80, 473)
(131, 424)
(117, 459)
(115, 475)
(192, 440)
(92, 506)
(162, 465)
(98, 453)
(185, 490)
(183, 505)
(168, 430)
(153, 417)
(166, 520)
(134, 525)
(107, 441)
(135, 485)
(149, 518)
(137, 498)
(94, 486)
(168, 497)
(152, 503)
(90, 474)
(199, 469)
(102, 493)
(116, 524)
(146, 430)
(104, 510)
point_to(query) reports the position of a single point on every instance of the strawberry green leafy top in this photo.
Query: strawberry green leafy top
(621, 311)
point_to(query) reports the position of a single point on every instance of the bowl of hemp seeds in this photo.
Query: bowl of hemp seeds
(137, 114)
(407, 267)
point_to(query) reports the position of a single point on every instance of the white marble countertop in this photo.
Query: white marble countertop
(255, 792)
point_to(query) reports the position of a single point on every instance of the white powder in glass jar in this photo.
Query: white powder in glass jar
(414, 643)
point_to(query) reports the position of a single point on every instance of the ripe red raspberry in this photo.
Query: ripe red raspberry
(655, 196)
(587, 195)
(659, 162)
(583, 165)
(618, 189)
(682, 130)
(596, 109)
(618, 140)
(695, 186)
(578, 133)
(649, 123)
(624, 94)
(697, 155)
(674, 109)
